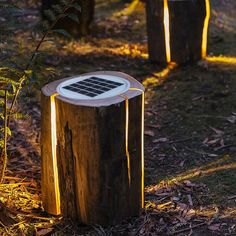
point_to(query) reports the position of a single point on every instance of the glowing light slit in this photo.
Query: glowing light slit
(205, 28)
(167, 30)
(127, 135)
(142, 142)
(54, 151)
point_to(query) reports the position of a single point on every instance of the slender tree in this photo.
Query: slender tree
(84, 15)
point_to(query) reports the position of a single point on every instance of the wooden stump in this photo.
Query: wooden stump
(99, 155)
(177, 30)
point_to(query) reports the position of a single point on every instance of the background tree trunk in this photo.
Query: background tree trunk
(85, 17)
(186, 22)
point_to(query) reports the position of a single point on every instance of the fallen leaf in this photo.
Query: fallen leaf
(188, 183)
(217, 131)
(213, 141)
(175, 199)
(160, 140)
(181, 164)
(205, 140)
(212, 155)
(182, 206)
(231, 119)
(44, 232)
(232, 197)
(190, 200)
(149, 133)
(222, 143)
(154, 126)
(214, 227)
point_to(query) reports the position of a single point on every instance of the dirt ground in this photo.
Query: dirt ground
(190, 126)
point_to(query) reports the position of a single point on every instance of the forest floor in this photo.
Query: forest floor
(190, 126)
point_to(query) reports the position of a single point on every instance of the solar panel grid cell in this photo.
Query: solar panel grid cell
(92, 86)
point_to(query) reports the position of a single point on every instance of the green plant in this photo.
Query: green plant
(12, 77)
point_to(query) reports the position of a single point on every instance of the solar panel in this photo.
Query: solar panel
(92, 86)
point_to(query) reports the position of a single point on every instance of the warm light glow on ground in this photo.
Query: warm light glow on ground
(204, 171)
(205, 28)
(133, 50)
(154, 80)
(130, 9)
(167, 30)
(54, 151)
(222, 59)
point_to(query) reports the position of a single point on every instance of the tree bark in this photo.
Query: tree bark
(100, 179)
(74, 28)
(186, 22)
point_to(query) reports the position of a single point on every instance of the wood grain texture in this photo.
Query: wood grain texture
(92, 158)
(47, 176)
(155, 30)
(186, 27)
(186, 20)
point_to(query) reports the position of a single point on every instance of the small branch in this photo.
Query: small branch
(222, 147)
(232, 197)
(16, 184)
(5, 228)
(181, 140)
(189, 228)
(24, 76)
(45, 35)
(4, 153)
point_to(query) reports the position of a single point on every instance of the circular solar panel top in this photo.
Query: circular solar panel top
(90, 87)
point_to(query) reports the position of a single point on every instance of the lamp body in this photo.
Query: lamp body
(100, 171)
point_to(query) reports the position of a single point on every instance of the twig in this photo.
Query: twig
(181, 140)
(146, 220)
(232, 197)
(210, 116)
(16, 184)
(12, 178)
(39, 217)
(222, 147)
(189, 228)
(4, 153)
(5, 228)
(21, 222)
(23, 78)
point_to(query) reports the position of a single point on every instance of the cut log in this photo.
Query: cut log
(177, 30)
(99, 155)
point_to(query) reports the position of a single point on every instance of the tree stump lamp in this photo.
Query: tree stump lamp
(177, 30)
(92, 147)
